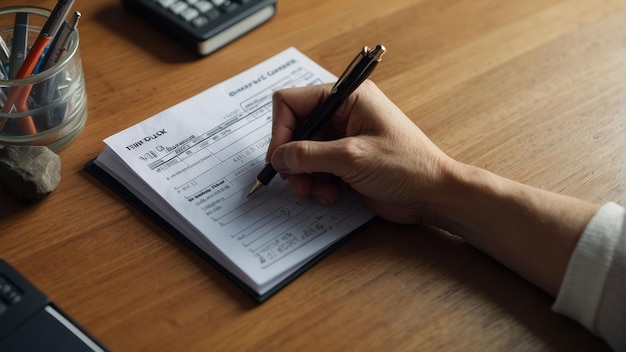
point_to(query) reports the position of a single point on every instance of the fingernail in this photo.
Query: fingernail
(279, 161)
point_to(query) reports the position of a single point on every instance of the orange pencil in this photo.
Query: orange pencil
(18, 96)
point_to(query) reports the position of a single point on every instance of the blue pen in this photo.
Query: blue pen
(60, 42)
(42, 60)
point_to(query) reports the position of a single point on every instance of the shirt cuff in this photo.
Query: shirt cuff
(583, 285)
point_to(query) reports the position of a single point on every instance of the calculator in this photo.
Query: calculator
(204, 25)
(29, 321)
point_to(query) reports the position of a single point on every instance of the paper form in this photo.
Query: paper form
(195, 162)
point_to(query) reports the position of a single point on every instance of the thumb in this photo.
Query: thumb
(306, 157)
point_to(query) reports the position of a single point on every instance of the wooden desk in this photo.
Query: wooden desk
(532, 90)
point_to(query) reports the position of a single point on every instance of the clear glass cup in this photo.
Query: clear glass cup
(52, 104)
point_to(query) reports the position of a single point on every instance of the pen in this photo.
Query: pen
(48, 91)
(61, 41)
(18, 95)
(19, 43)
(356, 72)
(5, 55)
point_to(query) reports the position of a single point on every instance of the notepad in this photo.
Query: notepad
(190, 168)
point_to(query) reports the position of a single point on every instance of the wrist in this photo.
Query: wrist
(463, 197)
(530, 230)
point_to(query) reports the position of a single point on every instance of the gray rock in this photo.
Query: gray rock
(30, 172)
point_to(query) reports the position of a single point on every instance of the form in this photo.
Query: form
(195, 162)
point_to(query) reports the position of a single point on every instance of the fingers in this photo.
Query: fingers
(289, 108)
(337, 157)
(368, 139)
(362, 110)
(320, 187)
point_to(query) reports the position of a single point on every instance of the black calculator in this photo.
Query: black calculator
(29, 321)
(204, 25)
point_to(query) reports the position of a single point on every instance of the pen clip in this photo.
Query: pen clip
(373, 57)
(360, 56)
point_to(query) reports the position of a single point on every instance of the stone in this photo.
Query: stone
(30, 172)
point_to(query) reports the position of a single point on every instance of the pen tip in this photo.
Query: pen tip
(256, 186)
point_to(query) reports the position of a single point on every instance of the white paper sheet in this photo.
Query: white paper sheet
(195, 162)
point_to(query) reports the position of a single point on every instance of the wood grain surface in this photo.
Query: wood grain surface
(531, 89)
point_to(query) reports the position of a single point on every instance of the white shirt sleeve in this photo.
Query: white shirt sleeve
(593, 291)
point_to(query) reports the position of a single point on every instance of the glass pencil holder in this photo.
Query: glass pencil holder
(48, 107)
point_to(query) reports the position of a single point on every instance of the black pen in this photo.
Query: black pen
(358, 70)
(19, 44)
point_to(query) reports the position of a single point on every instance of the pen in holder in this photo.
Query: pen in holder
(49, 107)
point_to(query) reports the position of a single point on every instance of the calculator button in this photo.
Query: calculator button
(9, 293)
(229, 6)
(212, 14)
(218, 2)
(200, 21)
(204, 6)
(190, 13)
(14, 297)
(166, 3)
(5, 286)
(178, 7)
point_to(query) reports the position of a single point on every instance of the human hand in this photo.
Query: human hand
(369, 144)
(403, 177)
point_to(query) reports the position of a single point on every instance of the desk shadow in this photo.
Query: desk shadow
(11, 205)
(130, 27)
(481, 274)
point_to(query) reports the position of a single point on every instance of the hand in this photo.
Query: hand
(403, 177)
(369, 144)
